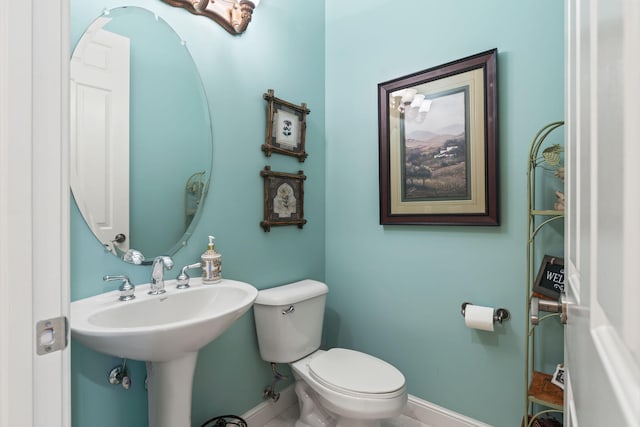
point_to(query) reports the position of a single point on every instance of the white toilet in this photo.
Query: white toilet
(337, 387)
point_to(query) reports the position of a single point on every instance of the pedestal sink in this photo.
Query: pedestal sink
(166, 331)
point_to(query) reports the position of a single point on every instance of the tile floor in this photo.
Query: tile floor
(288, 419)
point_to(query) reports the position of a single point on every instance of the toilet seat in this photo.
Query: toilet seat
(356, 374)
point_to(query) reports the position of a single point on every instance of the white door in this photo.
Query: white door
(34, 210)
(602, 336)
(99, 171)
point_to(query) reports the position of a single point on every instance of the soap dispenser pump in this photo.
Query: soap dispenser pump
(211, 264)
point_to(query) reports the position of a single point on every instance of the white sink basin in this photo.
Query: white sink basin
(166, 331)
(160, 328)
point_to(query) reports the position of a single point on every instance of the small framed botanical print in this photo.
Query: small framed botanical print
(286, 127)
(283, 199)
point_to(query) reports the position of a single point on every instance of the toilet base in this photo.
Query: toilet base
(311, 414)
(346, 422)
(314, 415)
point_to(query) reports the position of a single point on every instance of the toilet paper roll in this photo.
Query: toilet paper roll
(478, 317)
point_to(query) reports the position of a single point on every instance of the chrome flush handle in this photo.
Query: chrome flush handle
(289, 310)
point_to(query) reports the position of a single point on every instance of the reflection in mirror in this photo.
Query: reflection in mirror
(141, 144)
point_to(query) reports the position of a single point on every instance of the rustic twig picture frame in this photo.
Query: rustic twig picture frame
(283, 199)
(286, 127)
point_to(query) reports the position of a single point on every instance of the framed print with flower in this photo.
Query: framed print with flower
(283, 199)
(438, 141)
(286, 127)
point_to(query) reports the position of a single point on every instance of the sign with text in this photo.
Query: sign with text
(550, 280)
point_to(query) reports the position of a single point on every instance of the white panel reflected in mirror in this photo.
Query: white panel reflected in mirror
(141, 143)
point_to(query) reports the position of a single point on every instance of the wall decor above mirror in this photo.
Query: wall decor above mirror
(141, 142)
(233, 15)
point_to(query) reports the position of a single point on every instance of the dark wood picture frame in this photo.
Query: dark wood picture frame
(550, 278)
(286, 127)
(438, 144)
(283, 199)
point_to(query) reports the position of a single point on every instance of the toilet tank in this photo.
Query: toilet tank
(289, 320)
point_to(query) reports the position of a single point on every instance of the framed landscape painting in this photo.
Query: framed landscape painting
(438, 145)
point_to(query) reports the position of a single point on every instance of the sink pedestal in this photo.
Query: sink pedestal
(169, 387)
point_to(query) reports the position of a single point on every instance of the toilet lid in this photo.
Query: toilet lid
(355, 372)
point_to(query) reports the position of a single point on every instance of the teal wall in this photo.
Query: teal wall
(283, 49)
(396, 291)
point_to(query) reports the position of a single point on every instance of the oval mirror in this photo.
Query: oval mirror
(141, 143)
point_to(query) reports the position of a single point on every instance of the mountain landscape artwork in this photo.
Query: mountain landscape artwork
(436, 150)
(438, 140)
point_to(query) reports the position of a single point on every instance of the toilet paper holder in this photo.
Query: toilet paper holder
(499, 314)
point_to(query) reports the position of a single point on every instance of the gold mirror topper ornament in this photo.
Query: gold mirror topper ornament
(233, 15)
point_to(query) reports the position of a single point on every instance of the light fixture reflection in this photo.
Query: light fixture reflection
(417, 103)
(417, 100)
(425, 106)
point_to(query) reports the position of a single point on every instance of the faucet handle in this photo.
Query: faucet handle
(126, 287)
(182, 280)
(166, 261)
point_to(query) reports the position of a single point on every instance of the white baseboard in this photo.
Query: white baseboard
(437, 416)
(268, 410)
(420, 410)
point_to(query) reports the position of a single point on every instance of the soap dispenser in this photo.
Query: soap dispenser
(211, 264)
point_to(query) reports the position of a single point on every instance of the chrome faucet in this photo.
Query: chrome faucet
(157, 274)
